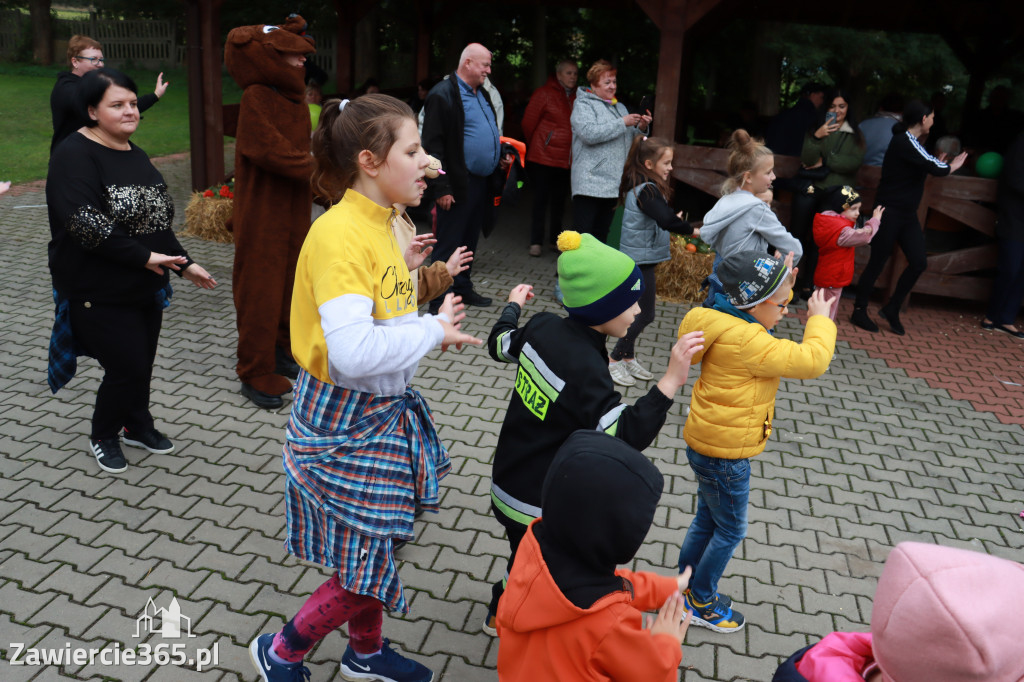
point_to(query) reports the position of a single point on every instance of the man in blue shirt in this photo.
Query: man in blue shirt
(460, 128)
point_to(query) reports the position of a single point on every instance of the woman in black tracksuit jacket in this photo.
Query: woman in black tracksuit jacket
(904, 170)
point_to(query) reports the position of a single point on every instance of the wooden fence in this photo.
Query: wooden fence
(145, 43)
(960, 202)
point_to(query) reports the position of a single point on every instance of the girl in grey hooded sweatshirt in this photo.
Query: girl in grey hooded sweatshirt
(740, 220)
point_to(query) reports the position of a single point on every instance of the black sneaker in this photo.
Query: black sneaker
(108, 455)
(151, 440)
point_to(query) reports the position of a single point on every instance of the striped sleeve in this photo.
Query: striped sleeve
(504, 342)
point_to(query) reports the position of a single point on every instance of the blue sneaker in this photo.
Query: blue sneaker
(270, 670)
(387, 666)
(716, 615)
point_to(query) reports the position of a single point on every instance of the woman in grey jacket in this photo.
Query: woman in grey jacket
(602, 132)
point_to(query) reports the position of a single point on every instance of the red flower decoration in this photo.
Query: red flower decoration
(208, 193)
(225, 191)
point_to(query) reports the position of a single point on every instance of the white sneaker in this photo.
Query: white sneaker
(637, 370)
(620, 373)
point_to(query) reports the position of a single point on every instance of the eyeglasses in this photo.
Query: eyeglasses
(783, 306)
(92, 60)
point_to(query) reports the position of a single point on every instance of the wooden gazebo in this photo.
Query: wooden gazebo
(983, 33)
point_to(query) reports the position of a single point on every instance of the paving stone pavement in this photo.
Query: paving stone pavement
(862, 458)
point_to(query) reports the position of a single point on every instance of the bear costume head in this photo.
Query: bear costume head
(255, 55)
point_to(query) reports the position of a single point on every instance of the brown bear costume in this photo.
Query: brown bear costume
(273, 198)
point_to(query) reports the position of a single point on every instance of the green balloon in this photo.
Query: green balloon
(314, 117)
(989, 165)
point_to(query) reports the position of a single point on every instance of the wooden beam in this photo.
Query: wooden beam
(971, 259)
(670, 65)
(697, 10)
(981, 218)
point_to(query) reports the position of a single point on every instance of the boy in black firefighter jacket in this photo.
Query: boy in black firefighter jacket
(562, 381)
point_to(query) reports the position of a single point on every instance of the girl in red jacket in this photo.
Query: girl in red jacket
(837, 237)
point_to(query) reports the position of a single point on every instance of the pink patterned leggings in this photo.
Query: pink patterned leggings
(328, 608)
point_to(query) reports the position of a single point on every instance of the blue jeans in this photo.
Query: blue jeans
(723, 488)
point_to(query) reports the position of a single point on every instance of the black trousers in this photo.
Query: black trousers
(123, 339)
(460, 226)
(515, 532)
(898, 226)
(593, 215)
(1008, 285)
(550, 188)
(803, 208)
(625, 348)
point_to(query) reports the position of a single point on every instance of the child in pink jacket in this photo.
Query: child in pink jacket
(837, 236)
(940, 615)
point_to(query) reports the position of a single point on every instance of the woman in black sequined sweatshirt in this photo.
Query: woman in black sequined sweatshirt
(110, 251)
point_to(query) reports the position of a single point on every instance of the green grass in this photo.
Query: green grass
(28, 126)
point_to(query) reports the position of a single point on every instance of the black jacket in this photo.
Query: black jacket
(904, 170)
(444, 120)
(562, 385)
(68, 114)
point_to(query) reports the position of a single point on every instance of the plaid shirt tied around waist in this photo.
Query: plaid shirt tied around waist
(356, 464)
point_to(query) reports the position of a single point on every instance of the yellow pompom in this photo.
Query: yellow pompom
(568, 241)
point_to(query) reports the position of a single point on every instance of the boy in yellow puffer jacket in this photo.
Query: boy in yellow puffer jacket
(732, 409)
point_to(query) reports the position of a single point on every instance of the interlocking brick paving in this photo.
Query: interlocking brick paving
(865, 456)
(946, 346)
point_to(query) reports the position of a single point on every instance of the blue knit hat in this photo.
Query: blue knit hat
(598, 283)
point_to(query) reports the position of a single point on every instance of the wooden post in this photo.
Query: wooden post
(424, 17)
(205, 113)
(345, 44)
(670, 63)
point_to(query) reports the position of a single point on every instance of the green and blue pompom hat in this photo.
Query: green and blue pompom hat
(598, 283)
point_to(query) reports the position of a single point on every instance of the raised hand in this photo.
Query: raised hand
(418, 250)
(161, 86)
(459, 261)
(454, 309)
(817, 304)
(521, 294)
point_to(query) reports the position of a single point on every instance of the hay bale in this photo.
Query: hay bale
(679, 279)
(206, 218)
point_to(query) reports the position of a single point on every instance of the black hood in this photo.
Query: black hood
(599, 499)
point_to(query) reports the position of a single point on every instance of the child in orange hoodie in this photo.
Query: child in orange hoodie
(568, 615)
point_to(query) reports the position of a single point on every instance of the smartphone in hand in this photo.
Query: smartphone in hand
(830, 118)
(645, 107)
